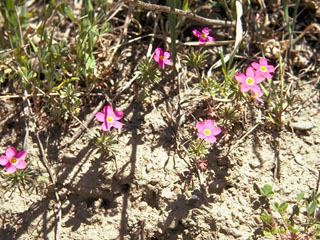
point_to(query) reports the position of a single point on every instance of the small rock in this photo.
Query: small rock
(193, 200)
(303, 125)
(69, 158)
(98, 203)
(236, 233)
(149, 167)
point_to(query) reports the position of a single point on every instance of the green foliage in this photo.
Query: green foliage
(106, 142)
(266, 191)
(290, 227)
(69, 103)
(198, 149)
(147, 72)
(277, 102)
(197, 60)
(26, 179)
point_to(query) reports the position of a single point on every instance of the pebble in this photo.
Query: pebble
(302, 125)
(149, 167)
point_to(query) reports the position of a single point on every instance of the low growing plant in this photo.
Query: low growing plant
(284, 223)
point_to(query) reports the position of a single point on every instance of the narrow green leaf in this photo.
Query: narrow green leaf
(300, 197)
(312, 207)
(172, 26)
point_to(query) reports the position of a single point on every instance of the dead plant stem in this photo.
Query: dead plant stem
(190, 15)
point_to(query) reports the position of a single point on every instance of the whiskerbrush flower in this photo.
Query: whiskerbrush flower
(203, 35)
(162, 58)
(13, 160)
(263, 68)
(250, 80)
(109, 118)
(207, 130)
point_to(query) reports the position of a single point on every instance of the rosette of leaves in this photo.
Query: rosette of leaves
(197, 60)
(147, 72)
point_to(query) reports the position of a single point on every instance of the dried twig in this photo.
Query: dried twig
(190, 15)
(85, 125)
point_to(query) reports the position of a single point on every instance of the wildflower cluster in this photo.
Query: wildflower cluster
(207, 131)
(107, 139)
(255, 74)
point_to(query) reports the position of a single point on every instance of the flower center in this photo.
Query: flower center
(250, 81)
(203, 36)
(263, 69)
(255, 95)
(207, 132)
(14, 161)
(162, 58)
(109, 119)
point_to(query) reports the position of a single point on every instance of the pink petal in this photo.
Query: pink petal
(4, 160)
(211, 139)
(201, 135)
(267, 75)
(259, 100)
(271, 68)
(166, 55)
(209, 124)
(250, 72)
(108, 110)
(202, 41)
(210, 39)
(216, 131)
(99, 116)
(255, 65)
(11, 152)
(263, 61)
(21, 164)
(196, 33)
(240, 77)
(244, 87)
(259, 78)
(117, 124)
(168, 62)
(206, 31)
(118, 115)
(200, 126)
(104, 127)
(156, 58)
(10, 169)
(255, 88)
(21, 155)
(161, 64)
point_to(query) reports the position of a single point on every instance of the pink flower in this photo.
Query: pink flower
(207, 130)
(203, 36)
(109, 118)
(263, 68)
(162, 58)
(249, 81)
(13, 160)
(257, 96)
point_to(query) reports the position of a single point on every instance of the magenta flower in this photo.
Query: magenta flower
(207, 130)
(203, 36)
(109, 118)
(249, 81)
(162, 58)
(262, 68)
(257, 96)
(13, 160)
